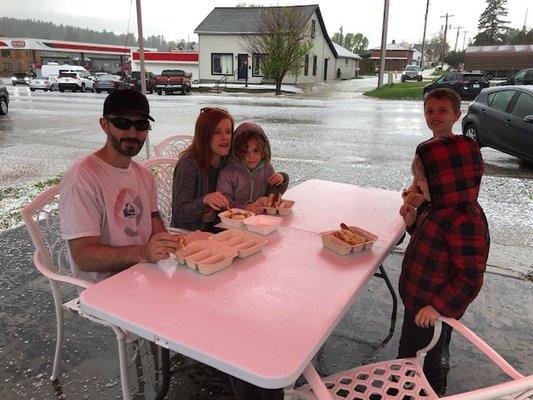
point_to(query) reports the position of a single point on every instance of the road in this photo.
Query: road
(341, 136)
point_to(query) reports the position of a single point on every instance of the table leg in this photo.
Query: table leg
(383, 274)
(165, 371)
(316, 383)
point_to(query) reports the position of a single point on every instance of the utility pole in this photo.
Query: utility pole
(383, 42)
(525, 22)
(424, 37)
(464, 38)
(140, 41)
(459, 27)
(443, 50)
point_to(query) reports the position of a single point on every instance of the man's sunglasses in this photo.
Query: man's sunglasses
(124, 123)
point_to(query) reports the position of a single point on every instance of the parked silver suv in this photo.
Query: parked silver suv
(412, 72)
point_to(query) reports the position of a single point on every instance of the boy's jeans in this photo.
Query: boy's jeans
(436, 365)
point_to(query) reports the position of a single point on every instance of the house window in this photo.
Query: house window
(313, 28)
(221, 63)
(256, 65)
(315, 62)
(306, 65)
(8, 67)
(345, 61)
(6, 53)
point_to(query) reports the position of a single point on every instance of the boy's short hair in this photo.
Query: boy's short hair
(444, 93)
(242, 139)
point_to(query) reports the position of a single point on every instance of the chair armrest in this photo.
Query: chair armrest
(484, 347)
(43, 269)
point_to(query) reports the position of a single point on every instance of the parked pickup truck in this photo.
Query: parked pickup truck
(173, 80)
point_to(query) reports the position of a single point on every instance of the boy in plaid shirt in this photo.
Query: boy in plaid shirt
(442, 270)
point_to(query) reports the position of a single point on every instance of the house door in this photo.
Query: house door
(242, 66)
(326, 69)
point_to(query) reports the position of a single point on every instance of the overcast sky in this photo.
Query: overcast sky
(177, 19)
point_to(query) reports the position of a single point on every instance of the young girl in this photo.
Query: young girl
(195, 200)
(250, 174)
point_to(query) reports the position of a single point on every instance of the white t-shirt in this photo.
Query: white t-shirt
(97, 199)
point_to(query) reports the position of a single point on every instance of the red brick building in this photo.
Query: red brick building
(396, 58)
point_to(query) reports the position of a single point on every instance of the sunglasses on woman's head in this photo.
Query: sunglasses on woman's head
(207, 109)
(124, 123)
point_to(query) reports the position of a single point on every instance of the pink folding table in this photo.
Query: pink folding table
(263, 318)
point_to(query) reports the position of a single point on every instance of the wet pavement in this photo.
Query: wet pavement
(337, 135)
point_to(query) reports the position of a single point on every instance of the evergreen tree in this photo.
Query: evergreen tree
(492, 24)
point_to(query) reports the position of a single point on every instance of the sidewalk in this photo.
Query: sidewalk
(90, 370)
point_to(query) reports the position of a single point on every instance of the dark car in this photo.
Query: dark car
(466, 84)
(108, 83)
(502, 118)
(412, 72)
(135, 81)
(523, 77)
(20, 78)
(4, 99)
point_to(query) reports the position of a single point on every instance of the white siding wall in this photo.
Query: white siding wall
(347, 70)
(236, 44)
(156, 67)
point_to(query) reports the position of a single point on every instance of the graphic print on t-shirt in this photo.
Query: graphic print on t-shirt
(128, 212)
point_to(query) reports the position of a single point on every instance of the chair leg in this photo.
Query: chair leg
(59, 328)
(121, 339)
(383, 274)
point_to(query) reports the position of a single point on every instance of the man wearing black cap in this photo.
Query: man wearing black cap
(108, 202)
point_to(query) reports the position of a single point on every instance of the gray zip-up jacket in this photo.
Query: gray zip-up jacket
(242, 186)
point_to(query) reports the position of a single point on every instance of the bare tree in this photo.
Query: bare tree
(283, 40)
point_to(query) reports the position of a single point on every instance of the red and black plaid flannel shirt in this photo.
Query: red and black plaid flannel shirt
(447, 254)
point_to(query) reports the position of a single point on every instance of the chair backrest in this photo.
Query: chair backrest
(42, 221)
(172, 146)
(163, 170)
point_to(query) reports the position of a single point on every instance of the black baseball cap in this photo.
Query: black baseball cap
(127, 101)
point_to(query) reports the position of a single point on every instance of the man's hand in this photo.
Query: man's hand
(408, 213)
(160, 246)
(255, 208)
(426, 317)
(275, 179)
(216, 200)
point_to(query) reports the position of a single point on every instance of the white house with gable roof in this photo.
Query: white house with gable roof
(223, 47)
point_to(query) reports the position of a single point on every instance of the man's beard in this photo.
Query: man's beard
(128, 152)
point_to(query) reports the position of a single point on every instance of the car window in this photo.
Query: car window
(451, 77)
(528, 76)
(523, 106)
(500, 100)
(63, 74)
(439, 80)
(475, 78)
(519, 75)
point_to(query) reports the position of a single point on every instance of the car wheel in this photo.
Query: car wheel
(83, 87)
(52, 88)
(159, 92)
(32, 90)
(98, 91)
(3, 106)
(471, 132)
(61, 90)
(419, 79)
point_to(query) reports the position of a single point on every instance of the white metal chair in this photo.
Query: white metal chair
(172, 146)
(163, 170)
(42, 221)
(403, 379)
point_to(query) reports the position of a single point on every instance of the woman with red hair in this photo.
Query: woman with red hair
(195, 200)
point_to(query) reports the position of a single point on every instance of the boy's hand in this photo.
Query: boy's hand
(160, 246)
(426, 317)
(253, 207)
(275, 179)
(408, 213)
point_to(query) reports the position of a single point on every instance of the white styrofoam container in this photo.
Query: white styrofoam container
(234, 222)
(343, 248)
(245, 243)
(284, 208)
(205, 256)
(263, 224)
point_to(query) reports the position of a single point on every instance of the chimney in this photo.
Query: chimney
(393, 41)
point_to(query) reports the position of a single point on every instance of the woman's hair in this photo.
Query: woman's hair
(417, 168)
(206, 124)
(242, 140)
